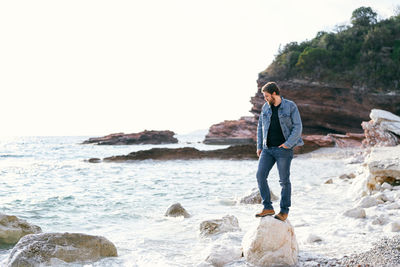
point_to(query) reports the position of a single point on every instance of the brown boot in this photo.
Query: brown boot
(264, 213)
(281, 216)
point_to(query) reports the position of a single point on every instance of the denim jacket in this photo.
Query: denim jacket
(290, 121)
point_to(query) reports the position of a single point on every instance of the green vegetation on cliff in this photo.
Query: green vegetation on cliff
(365, 54)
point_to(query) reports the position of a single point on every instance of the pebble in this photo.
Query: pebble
(385, 253)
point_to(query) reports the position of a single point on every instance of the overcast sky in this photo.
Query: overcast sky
(99, 67)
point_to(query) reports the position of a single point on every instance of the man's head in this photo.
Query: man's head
(271, 92)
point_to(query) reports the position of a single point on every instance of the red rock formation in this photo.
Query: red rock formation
(348, 139)
(377, 135)
(242, 131)
(328, 108)
(145, 137)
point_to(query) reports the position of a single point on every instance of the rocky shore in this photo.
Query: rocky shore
(31, 247)
(332, 109)
(232, 152)
(145, 137)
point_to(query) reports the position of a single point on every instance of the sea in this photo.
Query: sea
(47, 181)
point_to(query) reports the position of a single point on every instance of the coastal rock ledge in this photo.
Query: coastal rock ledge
(55, 248)
(271, 243)
(145, 137)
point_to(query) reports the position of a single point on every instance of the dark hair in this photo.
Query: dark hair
(271, 87)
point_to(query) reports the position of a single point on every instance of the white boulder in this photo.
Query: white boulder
(379, 115)
(355, 213)
(42, 249)
(220, 255)
(228, 223)
(368, 201)
(393, 206)
(386, 186)
(393, 227)
(271, 243)
(384, 197)
(383, 165)
(380, 220)
(12, 229)
(176, 210)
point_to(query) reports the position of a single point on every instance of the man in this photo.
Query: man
(278, 132)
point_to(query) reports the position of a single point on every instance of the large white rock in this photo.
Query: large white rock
(220, 254)
(228, 223)
(254, 197)
(379, 115)
(12, 229)
(369, 201)
(393, 206)
(271, 243)
(383, 165)
(393, 227)
(381, 220)
(42, 249)
(355, 213)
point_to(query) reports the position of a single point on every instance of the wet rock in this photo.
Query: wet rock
(40, 249)
(254, 197)
(145, 137)
(94, 160)
(313, 238)
(12, 229)
(176, 210)
(355, 213)
(220, 255)
(347, 176)
(186, 153)
(228, 223)
(271, 243)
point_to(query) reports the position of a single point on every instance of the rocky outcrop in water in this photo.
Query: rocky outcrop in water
(176, 210)
(228, 223)
(254, 197)
(271, 243)
(232, 132)
(232, 152)
(12, 229)
(50, 248)
(145, 137)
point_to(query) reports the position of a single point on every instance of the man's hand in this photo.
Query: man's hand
(259, 152)
(283, 145)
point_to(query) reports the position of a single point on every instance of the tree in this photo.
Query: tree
(363, 16)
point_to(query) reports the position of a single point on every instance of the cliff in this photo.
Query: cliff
(328, 108)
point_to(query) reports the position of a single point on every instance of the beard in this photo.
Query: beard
(271, 102)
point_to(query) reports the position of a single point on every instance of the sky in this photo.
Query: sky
(97, 67)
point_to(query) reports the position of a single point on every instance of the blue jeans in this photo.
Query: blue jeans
(283, 157)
